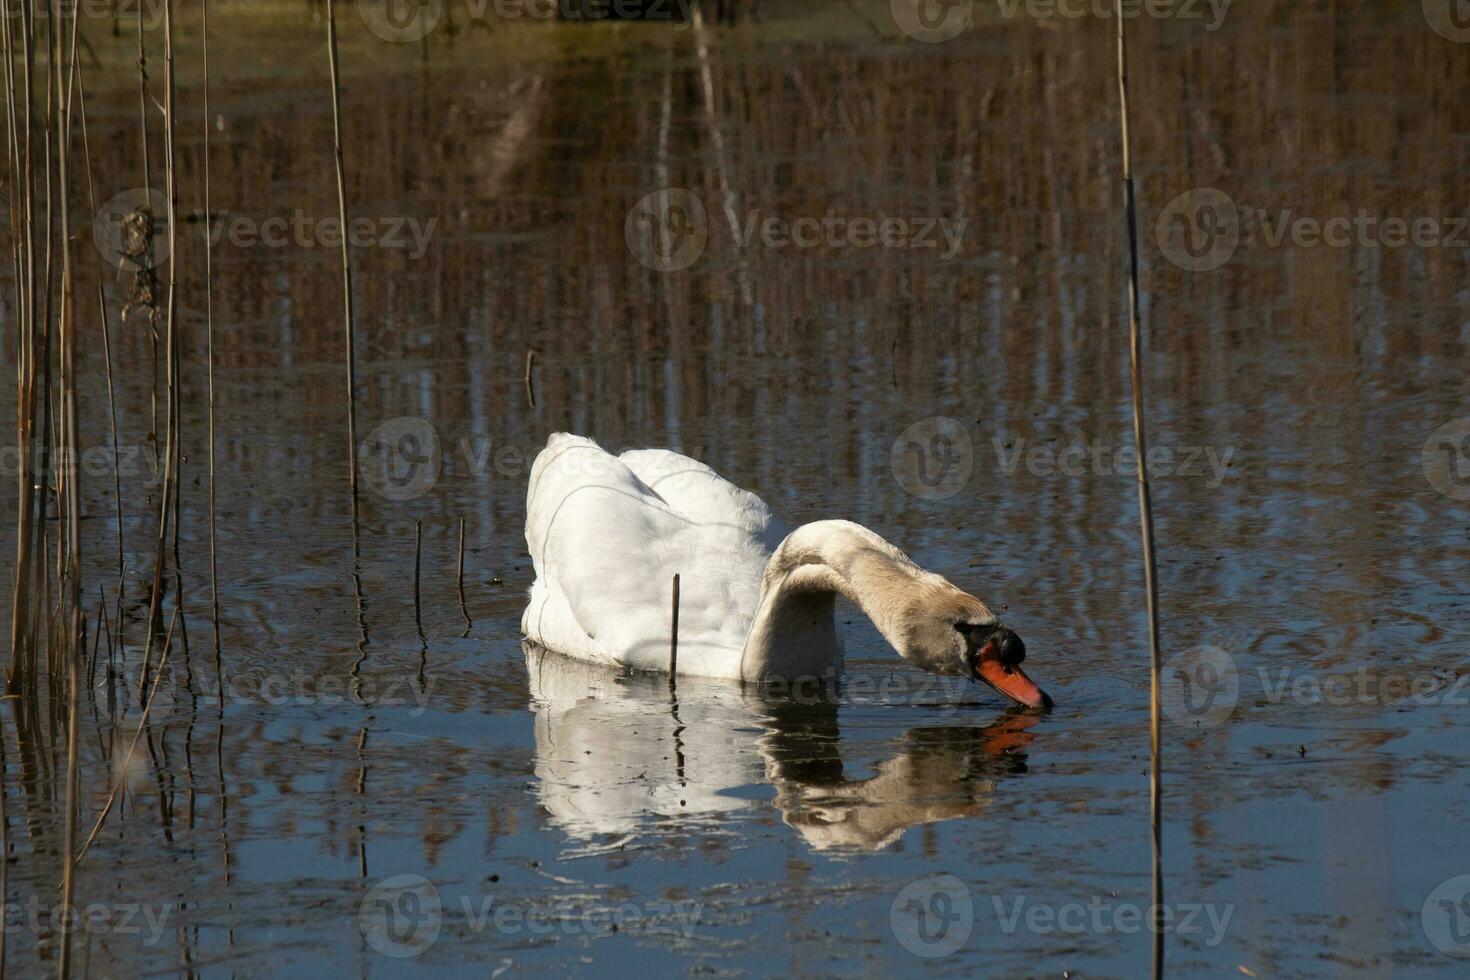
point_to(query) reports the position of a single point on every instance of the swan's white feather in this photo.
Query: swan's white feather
(607, 534)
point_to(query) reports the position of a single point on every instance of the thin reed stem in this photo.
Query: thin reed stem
(69, 502)
(209, 343)
(106, 353)
(122, 770)
(171, 427)
(1145, 507)
(418, 553)
(346, 254)
(674, 635)
(459, 582)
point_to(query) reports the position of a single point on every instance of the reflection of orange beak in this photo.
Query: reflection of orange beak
(1009, 734)
(1010, 681)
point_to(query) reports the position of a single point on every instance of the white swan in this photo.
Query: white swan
(608, 533)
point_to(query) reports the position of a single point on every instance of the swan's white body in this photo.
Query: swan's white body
(608, 533)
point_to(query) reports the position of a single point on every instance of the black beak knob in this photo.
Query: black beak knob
(1012, 650)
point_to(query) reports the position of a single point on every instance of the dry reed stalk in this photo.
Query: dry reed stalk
(717, 142)
(674, 635)
(459, 582)
(20, 95)
(346, 255)
(1145, 508)
(209, 344)
(106, 350)
(146, 279)
(418, 552)
(69, 503)
(171, 423)
(122, 774)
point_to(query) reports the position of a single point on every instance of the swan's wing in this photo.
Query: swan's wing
(605, 548)
(698, 493)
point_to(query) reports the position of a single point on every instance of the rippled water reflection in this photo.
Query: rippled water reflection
(724, 832)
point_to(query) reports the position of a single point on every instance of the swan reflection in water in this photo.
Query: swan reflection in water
(616, 750)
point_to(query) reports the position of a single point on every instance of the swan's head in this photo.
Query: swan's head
(964, 638)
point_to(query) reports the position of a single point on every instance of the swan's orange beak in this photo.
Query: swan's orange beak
(999, 665)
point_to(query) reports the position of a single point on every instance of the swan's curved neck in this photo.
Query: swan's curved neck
(794, 635)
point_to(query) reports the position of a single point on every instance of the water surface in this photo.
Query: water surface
(751, 835)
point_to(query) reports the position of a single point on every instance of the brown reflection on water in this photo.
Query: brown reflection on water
(792, 371)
